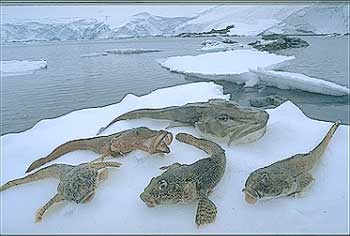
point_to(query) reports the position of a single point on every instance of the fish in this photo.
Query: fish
(287, 177)
(184, 183)
(217, 119)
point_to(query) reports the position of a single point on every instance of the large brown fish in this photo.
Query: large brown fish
(217, 119)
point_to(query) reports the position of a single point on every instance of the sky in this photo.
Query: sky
(115, 13)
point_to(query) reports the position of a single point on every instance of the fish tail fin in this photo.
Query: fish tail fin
(321, 147)
(161, 113)
(92, 144)
(50, 171)
(206, 145)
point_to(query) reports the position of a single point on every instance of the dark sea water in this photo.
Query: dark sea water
(72, 82)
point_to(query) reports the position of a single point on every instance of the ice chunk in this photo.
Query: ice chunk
(14, 67)
(94, 54)
(131, 50)
(324, 208)
(288, 80)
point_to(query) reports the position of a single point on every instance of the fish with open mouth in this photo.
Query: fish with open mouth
(287, 177)
(140, 138)
(217, 119)
(182, 183)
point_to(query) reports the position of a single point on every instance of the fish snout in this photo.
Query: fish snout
(250, 196)
(168, 138)
(148, 199)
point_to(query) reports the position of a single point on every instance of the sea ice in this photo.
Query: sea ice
(14, 67)
(223, 65)
(94, 54)
(288, 80)
(131, 50)
(117, 208)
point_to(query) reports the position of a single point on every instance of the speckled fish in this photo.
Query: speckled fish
(184, 183)
(288, 177)
(218, 119)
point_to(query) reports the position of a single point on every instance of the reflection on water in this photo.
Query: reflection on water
(72, 82)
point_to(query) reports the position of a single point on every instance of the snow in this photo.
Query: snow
(223, 65)
(131, 50)
(117, 207)
(247, 19)
(315, 19)
(288, 80)
(14, 67)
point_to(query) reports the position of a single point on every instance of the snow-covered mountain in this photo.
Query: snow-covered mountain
(231, 20)
(76, 30)
(139, 25)
(315, 19)
(145, 24)
(247, 20)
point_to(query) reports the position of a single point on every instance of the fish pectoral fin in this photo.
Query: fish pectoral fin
(40, 212)
(103, 175)
(175, 124)
(206, 211)
(302, 181)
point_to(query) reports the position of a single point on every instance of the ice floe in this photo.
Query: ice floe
(117, 208)
(227, 65)
(94, 54)
(131, 50)
(15, 67)
(288, 80)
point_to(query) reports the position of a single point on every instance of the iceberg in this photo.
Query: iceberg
(289, 80)
(14, 67)
(227, 65)
(323, 208)
(130, 51)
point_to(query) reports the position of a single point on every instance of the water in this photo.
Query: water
(71, 82)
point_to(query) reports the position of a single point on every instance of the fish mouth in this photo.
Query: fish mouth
(251, 196)
(148, 200)
(160, 144)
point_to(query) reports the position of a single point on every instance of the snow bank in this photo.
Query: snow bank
(131, 50)
(288, 80)
(223, 65)
(14, 67)
(117, 207)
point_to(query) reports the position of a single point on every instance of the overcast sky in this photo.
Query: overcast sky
(115, 13)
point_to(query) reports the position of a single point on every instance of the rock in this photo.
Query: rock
(273, 43)
(270, 101)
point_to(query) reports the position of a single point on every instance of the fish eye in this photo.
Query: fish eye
(223, 117)
(264, 177)
(163, 184)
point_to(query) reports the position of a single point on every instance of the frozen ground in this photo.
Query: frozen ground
(288, 80)
(14, 67)
(223, 65)
(117, 207)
